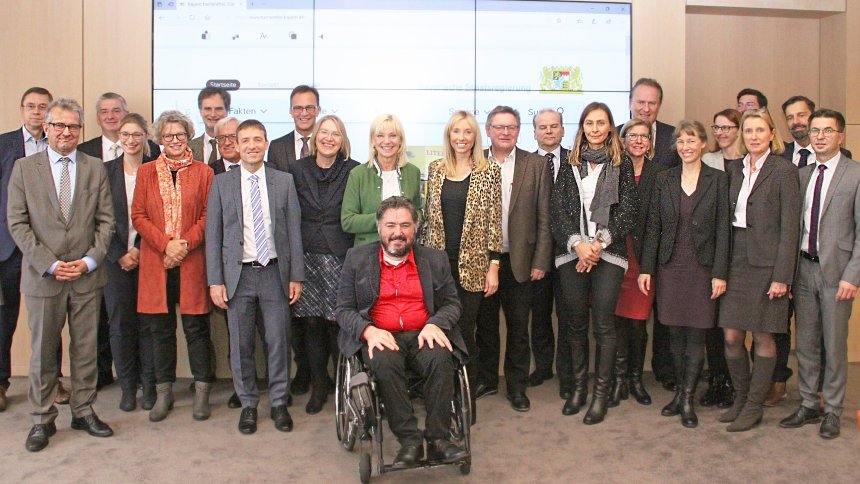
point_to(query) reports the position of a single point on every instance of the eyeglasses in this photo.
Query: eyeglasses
(177, 136)
(505, 127)
(310, 109)
(828, 132)
(134, 136)
(33, 107)
(722, 128)
(224, 137)
(73, 128)
(325, 134)
(634, 137)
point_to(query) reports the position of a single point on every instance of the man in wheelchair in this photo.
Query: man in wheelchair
(398, 305)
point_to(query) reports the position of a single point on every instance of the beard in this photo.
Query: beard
(387, 246)
(799, 132)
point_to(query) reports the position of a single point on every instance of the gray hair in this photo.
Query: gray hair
(172, 117)
(65, 104)
(113, 95)
(221, 122)
(502, 110)
(547, 110)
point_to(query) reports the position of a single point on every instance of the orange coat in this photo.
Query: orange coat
(147, 215)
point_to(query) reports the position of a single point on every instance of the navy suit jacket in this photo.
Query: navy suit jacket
(11, 148)
(119, 198)
(93, 147)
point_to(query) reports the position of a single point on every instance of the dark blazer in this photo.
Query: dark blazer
(11, 148)
(644, 190)
(564, 154)
(218, 166)
(93, 148)
(788, 154)
(773, 214)
(711, 221)
(529, 237)
(119, 242)
(282, 152)
(359, 290)
(321, 217)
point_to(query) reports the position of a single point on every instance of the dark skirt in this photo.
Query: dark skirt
(746, 306)
(319, 291)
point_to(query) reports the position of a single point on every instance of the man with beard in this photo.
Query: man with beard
(397, 304)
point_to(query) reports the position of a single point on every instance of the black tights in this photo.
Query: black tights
(688, 353)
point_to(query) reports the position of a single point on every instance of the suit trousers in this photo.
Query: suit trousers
(543, 342)
(515, 299)
(46, 318)
(130, 337)
(163, 329)
(259, 288)
(435, 366)
(10, 278)
(820, 316)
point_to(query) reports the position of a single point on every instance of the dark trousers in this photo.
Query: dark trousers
(515, 299)
(543, 342)
(104, 358)
(320, 344)
(471, 304)
(10, 278)
(435, 366)
(300, 348)
(661, 353)
(163, 329)
(130, 337)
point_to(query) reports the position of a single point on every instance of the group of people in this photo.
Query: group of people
(631, 218)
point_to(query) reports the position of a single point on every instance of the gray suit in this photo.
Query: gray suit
(38, 228)
(817, 311)
(251, 287)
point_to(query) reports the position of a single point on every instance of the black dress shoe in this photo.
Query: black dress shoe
(316, 402)
(39, 436)
(484, 390)
(93, 425)
(248, 420)
(829, 426)
(301, 384)
(234, 401)
(800, 418)
(445, 451)
(409, 455)
(519, 401)
(128, 401)
(537, 378)
(281, 416)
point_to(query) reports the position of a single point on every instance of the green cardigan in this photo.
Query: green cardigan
(364, 193)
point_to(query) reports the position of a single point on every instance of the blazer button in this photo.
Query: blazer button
(241, 242)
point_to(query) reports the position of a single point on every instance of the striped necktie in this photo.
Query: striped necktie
(65, 189)
(260, 238)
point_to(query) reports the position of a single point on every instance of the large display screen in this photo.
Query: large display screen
(418, 59)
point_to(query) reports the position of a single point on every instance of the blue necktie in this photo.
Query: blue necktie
(260, 238)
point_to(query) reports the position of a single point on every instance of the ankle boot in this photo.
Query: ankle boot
(739, 370)
(674, 407)
(202, 411)
(599, 399)
(163, 403)
(709, 399)
(579, 358)
(637, 339)
(725, 393)
(691, 380)
(319, 395)
(128, 401)
(147, 400)
(760, 382)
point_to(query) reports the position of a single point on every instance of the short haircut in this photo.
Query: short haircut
(647, 81)
(832, 114)
(502, 110)
(168, 117)
(221, 122)
(37, 90)
(797, 99)
(303, 88)
(638, 122)
(140, 121)
(252, 123)
(210, 91)
(65, 104)
(547, 110)
(345, 148)
(760, 97)
(389, 121)
(112, 95)
(394, 203)
(691, 127)
(776, 145)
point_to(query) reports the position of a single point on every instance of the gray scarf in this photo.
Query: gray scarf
(606, 192)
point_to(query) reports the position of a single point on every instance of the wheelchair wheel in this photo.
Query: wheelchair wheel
(461, 409)
(364, 467)
(465, 469)
(345, 421)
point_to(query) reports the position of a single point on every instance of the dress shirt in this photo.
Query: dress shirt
(56, 172)
(108, 152)
(207, 148)
(740, 219)
(589, 188)
(810, 160)
(507, 166)
(400, 305)
(653, 135)
(249, 242)
(33, 145)
(556, 160)
(810, 191)
(130, 182)
(229, 165)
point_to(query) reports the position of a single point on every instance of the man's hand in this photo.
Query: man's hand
(378, 339)
(846, 291)
(537, 274)
(70, 271)
(177, 249)
(295, 291)
(432, 334)
(219, 295)
(777, 289)
(130, 260)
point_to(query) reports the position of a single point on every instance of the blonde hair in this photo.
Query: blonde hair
(638, 122)
(345, 149)
(140, 122)
(381, 123)
(776, 145)
(479, 161)
(612, 143)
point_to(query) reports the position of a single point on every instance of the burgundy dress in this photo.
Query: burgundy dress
(632, 304)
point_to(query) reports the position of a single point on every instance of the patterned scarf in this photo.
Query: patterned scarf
(606, 192)
(171, 194)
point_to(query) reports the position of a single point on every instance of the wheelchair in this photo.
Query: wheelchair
(359, 416)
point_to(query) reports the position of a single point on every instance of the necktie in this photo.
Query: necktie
(114, 151)
(304, 152)
(213, 156)
(260, 239)
(549, 158)
(65, 189)
(230, 167)
(804, 157)
(816, 209)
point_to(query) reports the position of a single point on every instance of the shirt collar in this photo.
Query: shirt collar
(512, 156)
(261, 173)
(28, 136)
(378, 168)
(108, 144)
(831, 163)
(556, 152)
(758, 164)
(410, 259)
(54, 157)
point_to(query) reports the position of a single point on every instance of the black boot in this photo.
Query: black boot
(579, 357)
(709, 399)
(602, 375)
(725, 393)
(637, 338)
(674, 407)
(691, 379)
(619, 390)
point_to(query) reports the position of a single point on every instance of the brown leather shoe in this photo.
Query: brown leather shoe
(776, 395)
(63, 396)
(2, 399)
